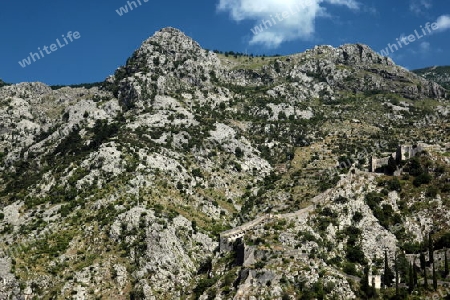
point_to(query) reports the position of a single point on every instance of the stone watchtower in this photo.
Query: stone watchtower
(407, 151)
(404, 152)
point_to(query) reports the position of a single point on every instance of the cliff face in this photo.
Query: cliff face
(126, 189)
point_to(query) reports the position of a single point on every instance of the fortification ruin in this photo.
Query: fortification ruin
(403, 152)
(227, 238)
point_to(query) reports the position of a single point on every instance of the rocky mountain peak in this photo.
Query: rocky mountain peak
(172, 40)
(167, 50)
(167, 61)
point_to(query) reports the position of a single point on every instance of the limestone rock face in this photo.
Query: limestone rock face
(360, 55)
(9, 285)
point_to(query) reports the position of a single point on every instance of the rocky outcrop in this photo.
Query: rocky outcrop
(371, 72)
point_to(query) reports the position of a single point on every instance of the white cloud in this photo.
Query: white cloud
(425, 47)
(371, 10)
(349, 3)
(418, 6)
(443, 22)
(278, 21)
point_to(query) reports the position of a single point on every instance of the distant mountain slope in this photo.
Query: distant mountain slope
(440, 75)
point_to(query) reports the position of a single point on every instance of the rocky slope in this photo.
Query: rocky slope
(121, 190)
(441, 75)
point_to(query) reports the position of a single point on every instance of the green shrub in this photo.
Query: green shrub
(432, 192)
(197, 173)
(350, 269)
(203, 285)
(238, 152)
(415, 169)
(228, 279)
(445, 188)
(423, 178)
(355, 255)
(65, 210)
(357, 217)
(341, 200)
(8, 228)
(237, 166)
(443, 241)
(373, 199)
(394, 185)
(327, 212)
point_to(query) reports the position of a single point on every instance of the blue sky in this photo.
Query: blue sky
(106, 39)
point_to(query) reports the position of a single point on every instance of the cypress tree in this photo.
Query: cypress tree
(422, 261)
(365, 288)
(388, 274)
(425, 279)
(446, 272)
(430, 248)
(415, 274)
(373, 292)
(396, 275)
(386, 268)
(434, 278)
(410, 278)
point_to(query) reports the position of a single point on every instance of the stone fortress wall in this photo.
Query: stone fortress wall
(403, 152)
(228, 237)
